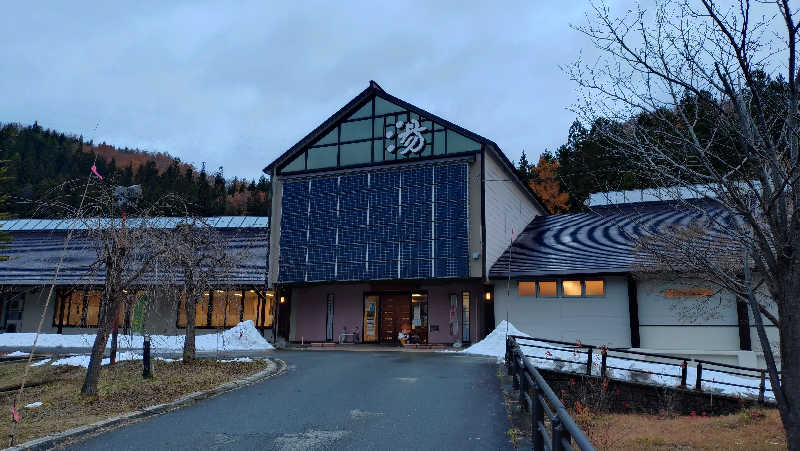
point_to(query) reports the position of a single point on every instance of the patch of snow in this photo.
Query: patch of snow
(17, 354)
(33, 404)
(41, 362)
(241, 337)
(575, 361)
(238, 359)
(83, 360)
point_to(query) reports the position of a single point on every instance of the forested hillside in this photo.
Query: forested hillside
(39, 160)
(591, 162)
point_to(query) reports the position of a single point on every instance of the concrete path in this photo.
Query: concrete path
(340, 400)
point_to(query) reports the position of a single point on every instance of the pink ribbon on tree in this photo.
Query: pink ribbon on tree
(94, 171)
(15, 414)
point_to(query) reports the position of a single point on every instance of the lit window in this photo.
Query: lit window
(595, 288)
(571, 287)
(527, 288)
(547, 288)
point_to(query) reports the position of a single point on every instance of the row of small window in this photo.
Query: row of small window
(222, 308)
(225, 308)
(567, 288)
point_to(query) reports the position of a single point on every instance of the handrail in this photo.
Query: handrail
(542, 403)
(680, 362)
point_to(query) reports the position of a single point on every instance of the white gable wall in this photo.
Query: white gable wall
(508, 207)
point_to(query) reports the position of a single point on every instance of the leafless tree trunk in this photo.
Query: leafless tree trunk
(704, 99)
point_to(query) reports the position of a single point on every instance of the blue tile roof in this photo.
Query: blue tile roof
(599, 241)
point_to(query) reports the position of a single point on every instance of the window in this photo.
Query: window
(527, 288)
(547, 288)
(329, 318)
(571, 287)
(362, 138)
(595, 288)
(465, 316)
(71, 308)
(226, 308)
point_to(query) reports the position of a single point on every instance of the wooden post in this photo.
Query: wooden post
(537, 417)
(684, 372)
(589, 361)
(557, 434)
(762, 387)
(603, 366)
(60, 296)
(698, 384)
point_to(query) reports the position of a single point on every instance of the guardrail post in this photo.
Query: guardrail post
(762, 387)
(603, 362)
(537, 417)
(557, 434)
(684, 372)
(589, 361)
(515, 378)
(523, 388)
(698, 384)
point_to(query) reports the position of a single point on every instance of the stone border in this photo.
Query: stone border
(274, 368)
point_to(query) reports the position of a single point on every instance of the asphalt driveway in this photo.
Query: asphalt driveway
(340, 400)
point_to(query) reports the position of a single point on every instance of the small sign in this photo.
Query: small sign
(689, 293)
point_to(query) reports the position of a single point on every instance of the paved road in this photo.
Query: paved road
(340, 400)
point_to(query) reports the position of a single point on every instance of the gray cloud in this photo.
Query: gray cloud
(235, 85)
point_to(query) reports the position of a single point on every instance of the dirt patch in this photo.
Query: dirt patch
(748, 429)
(121, 389)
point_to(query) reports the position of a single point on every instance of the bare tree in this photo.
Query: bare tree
(200, 260)
(128, 240)
(704, 100)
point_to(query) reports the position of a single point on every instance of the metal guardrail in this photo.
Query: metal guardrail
(681, 364)
(536, 396)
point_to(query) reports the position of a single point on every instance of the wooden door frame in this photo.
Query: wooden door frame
(380, 295)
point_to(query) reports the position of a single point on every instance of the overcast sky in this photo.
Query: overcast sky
(237, 86)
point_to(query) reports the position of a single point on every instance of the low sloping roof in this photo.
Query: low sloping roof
(602, 240)
(37, 246)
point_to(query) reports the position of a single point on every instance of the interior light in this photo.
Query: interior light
(237, 294)
(487, 296)
(283, 299)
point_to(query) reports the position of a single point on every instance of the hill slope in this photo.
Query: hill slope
(39, 161)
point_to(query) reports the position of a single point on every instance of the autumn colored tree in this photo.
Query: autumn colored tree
(545, 183)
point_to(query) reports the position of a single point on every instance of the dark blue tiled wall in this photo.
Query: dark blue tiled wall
(407, 223)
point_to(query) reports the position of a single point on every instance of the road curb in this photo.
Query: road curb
(274, 368)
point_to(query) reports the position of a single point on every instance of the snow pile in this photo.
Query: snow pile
(495, 343)
(17, 354)
(542, 355)
(41, 362)
(242, 337)
(33, 404)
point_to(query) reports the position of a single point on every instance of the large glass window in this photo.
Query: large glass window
(71, 308)
(384, 127)
(226, 308)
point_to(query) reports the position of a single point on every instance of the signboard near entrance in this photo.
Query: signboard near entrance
(371, 319)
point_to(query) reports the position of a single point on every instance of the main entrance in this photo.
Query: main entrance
(388, 316)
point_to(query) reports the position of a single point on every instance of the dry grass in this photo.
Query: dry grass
(121, 389)
(746, 430)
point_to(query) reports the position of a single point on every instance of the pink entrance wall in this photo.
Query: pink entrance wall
(309, 306)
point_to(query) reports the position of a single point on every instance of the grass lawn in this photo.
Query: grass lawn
(746, 430)
(121, 389)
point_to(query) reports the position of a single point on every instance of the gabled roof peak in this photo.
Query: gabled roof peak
(373, 84)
